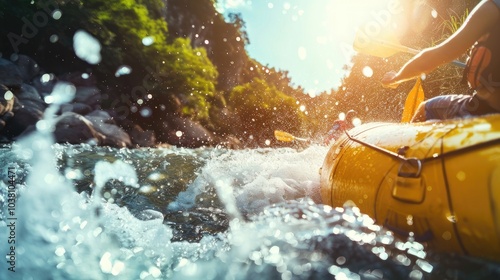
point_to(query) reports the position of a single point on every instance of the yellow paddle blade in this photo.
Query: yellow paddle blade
(283, 136)
(415, 97)
(287, 137)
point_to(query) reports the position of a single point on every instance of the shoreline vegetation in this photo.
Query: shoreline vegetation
(174, 73)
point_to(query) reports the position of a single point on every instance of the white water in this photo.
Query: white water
(60, 233)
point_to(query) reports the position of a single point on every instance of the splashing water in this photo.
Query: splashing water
(87, 47)
(190, 214)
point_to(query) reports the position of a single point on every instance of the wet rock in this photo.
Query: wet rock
(6, 102)
(23, 118)
(184, 132)
(10, 75)
(27, 110)
(27, 66)
(44, 83)
(138, 136)
(74, 129)
(29, 98)
(142, 138)
(113, 135)
(230, 142)
(79, 108)
(88, 95)
(100, 115)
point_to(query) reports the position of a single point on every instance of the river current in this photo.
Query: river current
(88, 212)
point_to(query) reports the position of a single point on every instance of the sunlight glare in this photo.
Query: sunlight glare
(348, 16)
(302, 53)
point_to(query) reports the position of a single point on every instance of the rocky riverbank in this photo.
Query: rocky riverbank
(24, 85)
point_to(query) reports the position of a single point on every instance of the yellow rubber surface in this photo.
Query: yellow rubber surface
(436, 181)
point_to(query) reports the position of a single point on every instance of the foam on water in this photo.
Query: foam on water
(254, 179)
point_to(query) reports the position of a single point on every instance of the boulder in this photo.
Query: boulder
(44, 83)
(27, 110)
(23, 118)
(10, 75)
(27, 66)
(141, 137)
(100, 115)
(29, 97)
(79, 108)
(138, 136)
(75, 129)
(113, 135)
(7, 99)
(183, 132)
(88, 95)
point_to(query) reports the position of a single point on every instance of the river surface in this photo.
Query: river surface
(87, 212)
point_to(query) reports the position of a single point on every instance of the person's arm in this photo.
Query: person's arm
(479, 21)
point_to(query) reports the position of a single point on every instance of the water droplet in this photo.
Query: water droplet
(87, 47)
(60, 251)
(148, 41)
(434, 13)
(123, 70)
(46, 78)
(367, 71)
(56, 14)
(8, 95)
(53, 38)
(146, 112)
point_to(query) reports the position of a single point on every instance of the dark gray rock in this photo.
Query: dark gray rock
(142, 138)
(79, 108)
(23, 118)
(44, 83)
(6, 101)
(113, 135)
(29, 97)
(10, 75)
(184, 132)
(28, 67)
(88, 95)
(75, 129)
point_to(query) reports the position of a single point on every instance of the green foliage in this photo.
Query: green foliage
(263, 108)
(120, 26)
(188, 71)
(174, 68)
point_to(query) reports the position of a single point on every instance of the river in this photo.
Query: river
(88, 212)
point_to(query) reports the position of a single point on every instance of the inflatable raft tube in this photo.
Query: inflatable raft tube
(438, 182)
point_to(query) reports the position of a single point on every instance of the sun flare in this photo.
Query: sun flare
(347, 17)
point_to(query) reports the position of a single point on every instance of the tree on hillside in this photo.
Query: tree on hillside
(262, 109)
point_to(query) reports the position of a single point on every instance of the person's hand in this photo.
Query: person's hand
(389, 80)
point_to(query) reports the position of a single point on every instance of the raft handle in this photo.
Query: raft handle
(410, 168)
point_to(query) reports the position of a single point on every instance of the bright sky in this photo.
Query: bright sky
(312, 39)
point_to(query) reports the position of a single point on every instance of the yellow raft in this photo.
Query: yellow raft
(436, 181)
